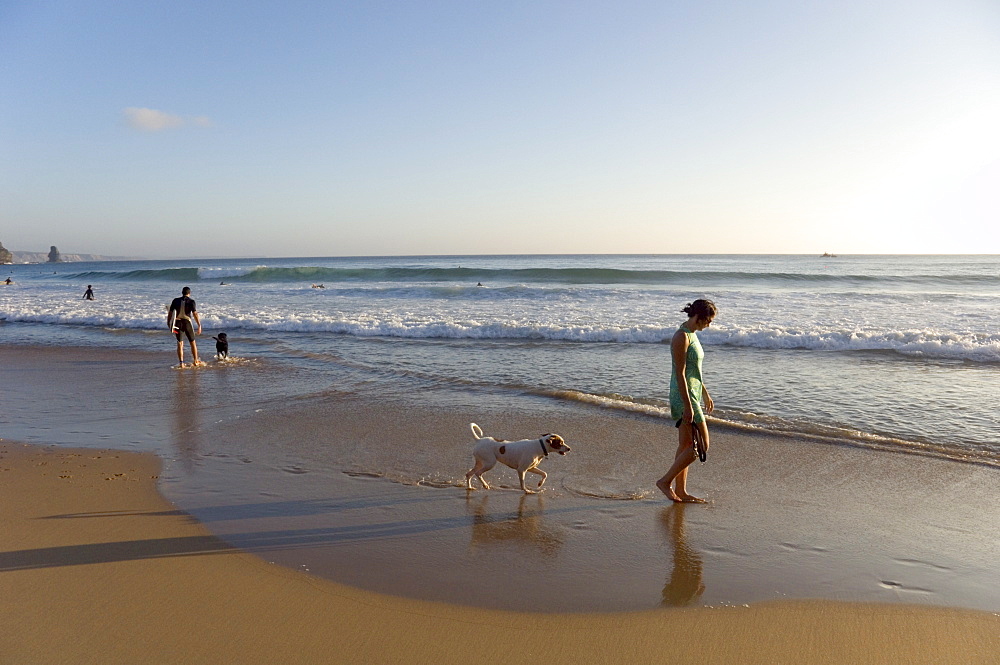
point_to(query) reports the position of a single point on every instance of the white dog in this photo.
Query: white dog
(522, 456)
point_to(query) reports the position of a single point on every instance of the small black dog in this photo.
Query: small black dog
(222, 345)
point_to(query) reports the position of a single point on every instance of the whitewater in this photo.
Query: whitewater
(897, 351)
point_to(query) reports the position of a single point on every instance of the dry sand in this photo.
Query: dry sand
(97, 567)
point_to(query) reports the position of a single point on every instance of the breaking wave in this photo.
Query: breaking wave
(265, 274)
(972, 347)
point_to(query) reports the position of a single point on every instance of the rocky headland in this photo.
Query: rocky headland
(13, 256)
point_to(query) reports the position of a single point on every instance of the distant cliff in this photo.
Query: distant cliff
(43, 257)
(5, 255)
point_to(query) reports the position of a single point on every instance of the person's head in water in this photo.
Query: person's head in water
(186, 291)
(701, 311)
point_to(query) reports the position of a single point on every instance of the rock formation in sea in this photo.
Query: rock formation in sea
(54, 255)
(5, 255)
(17, 256)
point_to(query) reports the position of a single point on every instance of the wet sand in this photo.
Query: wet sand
(787, 519)
(98, 567)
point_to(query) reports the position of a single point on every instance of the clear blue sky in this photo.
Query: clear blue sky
(179, 128)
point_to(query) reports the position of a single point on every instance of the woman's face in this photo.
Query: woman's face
(703, 322)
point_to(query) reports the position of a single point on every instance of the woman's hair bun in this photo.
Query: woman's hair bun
(700, 308)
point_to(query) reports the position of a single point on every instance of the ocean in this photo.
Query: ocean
(893, 352)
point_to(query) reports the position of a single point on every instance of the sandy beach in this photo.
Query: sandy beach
(99, 567)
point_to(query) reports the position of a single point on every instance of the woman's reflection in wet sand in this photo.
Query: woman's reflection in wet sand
(684, 586)
(185, 424)
(526, 526)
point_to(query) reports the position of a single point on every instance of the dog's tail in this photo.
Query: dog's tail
(476, 430)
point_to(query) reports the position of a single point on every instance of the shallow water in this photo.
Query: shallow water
(887, 351)
(367, 489)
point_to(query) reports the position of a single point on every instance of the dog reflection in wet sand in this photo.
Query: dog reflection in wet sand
(523, 456)
(499, 528)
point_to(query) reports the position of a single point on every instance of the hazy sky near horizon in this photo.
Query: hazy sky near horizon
(180, 128)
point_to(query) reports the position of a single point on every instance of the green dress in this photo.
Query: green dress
(693, 370)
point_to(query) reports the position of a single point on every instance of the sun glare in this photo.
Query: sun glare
(930, 190)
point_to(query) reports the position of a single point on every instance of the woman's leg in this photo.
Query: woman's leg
(680, 483)
(678, 470)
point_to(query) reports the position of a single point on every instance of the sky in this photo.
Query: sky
(307, 128)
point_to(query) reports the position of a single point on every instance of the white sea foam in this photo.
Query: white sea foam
(927, 343)
(445, 323)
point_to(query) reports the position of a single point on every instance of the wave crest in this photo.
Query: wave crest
(607, 276)
(917, 343)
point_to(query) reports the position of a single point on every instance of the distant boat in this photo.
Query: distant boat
(827, 255)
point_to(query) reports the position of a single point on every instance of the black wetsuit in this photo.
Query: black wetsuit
(185, 307)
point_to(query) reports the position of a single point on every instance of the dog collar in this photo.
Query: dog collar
(541, 442)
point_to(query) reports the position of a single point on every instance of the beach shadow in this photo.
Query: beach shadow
(523, 526)
(684, 586)
(262, 510)
(255, 542)
(129, 550)
(112, 513)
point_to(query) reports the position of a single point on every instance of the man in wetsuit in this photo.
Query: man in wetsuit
(182, 311)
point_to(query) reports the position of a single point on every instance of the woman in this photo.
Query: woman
(685, 404)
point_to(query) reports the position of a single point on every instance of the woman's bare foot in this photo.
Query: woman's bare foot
(689, 498)
(668, 491)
